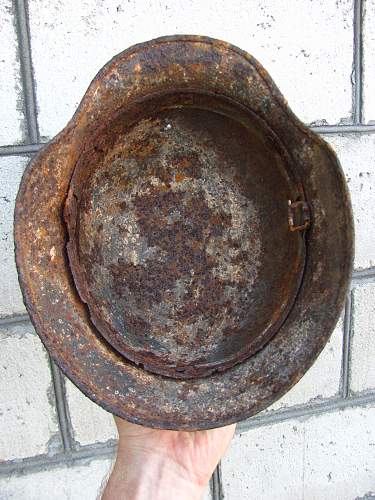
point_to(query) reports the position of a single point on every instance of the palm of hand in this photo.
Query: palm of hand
(193, 454)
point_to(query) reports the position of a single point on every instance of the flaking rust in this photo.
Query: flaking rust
(192, 239)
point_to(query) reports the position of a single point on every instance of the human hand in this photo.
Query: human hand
(159, 464)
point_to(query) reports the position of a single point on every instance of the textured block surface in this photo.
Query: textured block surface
(28, 419)
(369, 62)
(357, 157)
(90, 423)
(295, 41)
(82, 482)
(363, 339)
(11, 108)
(11, 169)
(325, 457)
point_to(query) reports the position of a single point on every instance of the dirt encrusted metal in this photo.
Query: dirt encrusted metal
(184, 245)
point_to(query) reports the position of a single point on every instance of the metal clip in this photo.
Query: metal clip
(298, 215)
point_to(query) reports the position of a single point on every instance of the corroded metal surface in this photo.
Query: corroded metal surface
(192, 240)
(171, 232)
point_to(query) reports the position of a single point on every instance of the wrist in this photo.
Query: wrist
(144, 474)
(162, 484)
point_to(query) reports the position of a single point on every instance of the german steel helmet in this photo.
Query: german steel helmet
(184, 245)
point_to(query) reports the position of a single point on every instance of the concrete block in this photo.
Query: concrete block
(295, 41)
(11, 169)
(80, 482)
(362, 367)
(11, 106)
(28, 419)
(317, 458)
(369, 62)
(357, 157)
(322, 381)
(90, 423)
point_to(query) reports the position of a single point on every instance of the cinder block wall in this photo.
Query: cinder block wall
(318, 442)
